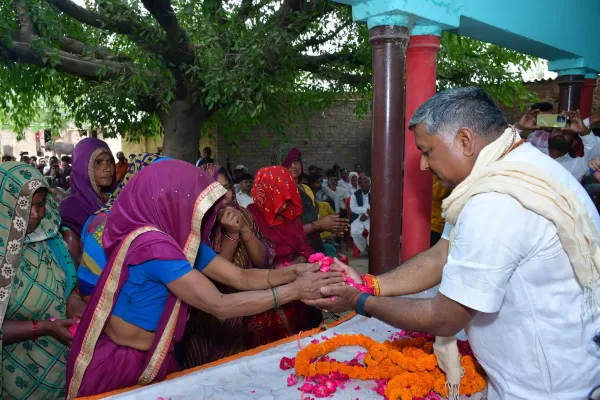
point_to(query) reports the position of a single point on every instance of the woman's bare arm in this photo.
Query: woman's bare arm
(73, 245)
(198, 291)
(225, 272)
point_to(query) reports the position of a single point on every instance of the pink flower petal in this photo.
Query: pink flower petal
(292, 380)
(306, 388)
(357, 388)
(315, 341)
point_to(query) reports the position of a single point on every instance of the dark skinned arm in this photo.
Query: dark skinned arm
(256, 248)
(439, 316)
(20, 331)
(225, 272)
(417, 274)
(229, 247)
(73, 245)
(199, 292)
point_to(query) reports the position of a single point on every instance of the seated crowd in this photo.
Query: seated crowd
(117, 257)
(153, 258)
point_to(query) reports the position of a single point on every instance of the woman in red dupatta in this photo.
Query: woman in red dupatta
(164, 217)
(277, 209)
(206, 337)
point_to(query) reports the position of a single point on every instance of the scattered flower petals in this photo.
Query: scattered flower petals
(292, 380)
(315, 341)
(321, 391)
(306, 388)
(287, 363)
(357, 388)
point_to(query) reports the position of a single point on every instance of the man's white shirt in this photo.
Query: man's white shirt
(507, 263)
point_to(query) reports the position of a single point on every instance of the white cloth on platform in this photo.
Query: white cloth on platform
(508, 264)
(357, 227)
(258, 377)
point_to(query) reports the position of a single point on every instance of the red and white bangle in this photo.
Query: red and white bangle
(230, 238)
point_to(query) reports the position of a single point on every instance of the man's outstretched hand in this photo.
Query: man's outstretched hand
(345, 298)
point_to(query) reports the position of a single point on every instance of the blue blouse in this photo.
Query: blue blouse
(144, 295)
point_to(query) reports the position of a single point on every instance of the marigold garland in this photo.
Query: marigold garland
(409, 363)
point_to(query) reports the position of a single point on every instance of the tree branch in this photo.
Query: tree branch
(87, 68)
(308, 63)
(316, 40)
(91, 18)
(181, 52)
(74, 46)
(26, 26)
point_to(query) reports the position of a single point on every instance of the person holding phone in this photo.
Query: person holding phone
(560, 142)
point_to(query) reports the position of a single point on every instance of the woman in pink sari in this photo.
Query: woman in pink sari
(155, 239)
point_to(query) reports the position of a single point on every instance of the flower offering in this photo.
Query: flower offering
(404, 368)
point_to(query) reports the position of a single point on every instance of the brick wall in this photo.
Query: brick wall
(338, 137)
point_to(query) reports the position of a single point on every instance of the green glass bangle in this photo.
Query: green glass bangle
(275, 297)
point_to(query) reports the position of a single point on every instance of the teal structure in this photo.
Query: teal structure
(563, 32)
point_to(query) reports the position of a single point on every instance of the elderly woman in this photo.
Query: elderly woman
(93, 257)
(37, 276)
(155, 239)
(92, 181)
(237, 238)
(353, 186)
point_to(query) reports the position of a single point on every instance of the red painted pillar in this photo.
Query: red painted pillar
(587, 97)
(389, 53)
(416, 202)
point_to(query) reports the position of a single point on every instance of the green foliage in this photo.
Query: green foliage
(463, 62)
(245, 70)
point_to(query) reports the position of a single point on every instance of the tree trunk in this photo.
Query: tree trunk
(182, 124)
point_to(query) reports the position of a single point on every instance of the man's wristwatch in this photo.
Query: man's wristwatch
(360, 304)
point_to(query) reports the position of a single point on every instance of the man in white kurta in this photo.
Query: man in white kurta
(507, 279)
(363, 221)
(508, 264)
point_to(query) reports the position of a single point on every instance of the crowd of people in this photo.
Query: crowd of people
(130, 245)
(159, 264)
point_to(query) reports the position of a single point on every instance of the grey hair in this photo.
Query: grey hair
(469, 107)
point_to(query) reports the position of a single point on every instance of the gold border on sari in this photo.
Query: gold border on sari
(204, 202)
(101, 314)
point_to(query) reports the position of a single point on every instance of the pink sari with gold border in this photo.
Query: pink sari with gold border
(163, 213)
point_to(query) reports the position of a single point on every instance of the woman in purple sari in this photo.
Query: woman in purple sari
(92, 181)
(156, 240)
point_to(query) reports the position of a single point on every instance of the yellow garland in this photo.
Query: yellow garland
(409, 363)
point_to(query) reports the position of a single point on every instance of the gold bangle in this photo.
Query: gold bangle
(268, 281)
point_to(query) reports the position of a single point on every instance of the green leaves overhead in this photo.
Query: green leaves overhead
(115, 63)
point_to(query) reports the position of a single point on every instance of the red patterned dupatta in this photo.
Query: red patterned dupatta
(163, 213)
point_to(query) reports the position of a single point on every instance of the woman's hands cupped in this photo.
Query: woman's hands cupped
(309, 284)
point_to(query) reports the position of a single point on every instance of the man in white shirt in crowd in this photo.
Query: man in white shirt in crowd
(558, 143)
(360, 214)
(344, 181)
(340, 195)
(244, 197)
(506, 278)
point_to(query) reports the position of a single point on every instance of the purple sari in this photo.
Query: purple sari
(163, 213)
(85, 198)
